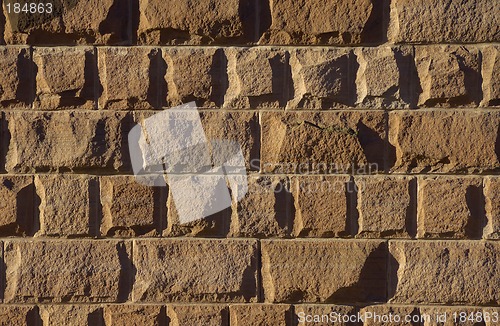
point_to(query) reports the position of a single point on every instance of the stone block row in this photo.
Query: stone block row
(153, 271)
(125, 78)
(251, 22)
(274, 206)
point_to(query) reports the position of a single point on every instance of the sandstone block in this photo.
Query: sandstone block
(15, 77)
(17, 215)
(492, 196)
(450, 207)
(260, 314)
(386, 206)
(449, 75)
(66, 141)
(445, 272)
(130, 208)
(323, 314)
(265, 210)
(323, 78)
(209, 315)
(444, 141)
(184, 22)
(490, 316)
(455, 316)
(195, 74)
(78, 315)
(323, 270)
(127, 314)
(70, 23)
(258, 78)
(65, 78)
(195, 270)
(18, 315)
(327, 142)
(68, 205)
(322, 22)
(35, 273)
(491, 80)
(129, 78)
(321, 206)
(384, 315)
(435, 21)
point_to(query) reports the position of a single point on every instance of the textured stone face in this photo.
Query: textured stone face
(18, 315)
(209, 315)
(383, 315)
(195, 270)
(66, 140)
(321, 314)
(319, 22)
(456, 316)
(491, 78)
(321, 218)
(260, 314)
(35, 273)
(17, 216)
(127, 314)
(78, 315)
(386, 207)
(331, 142)
(68, 205)
(65, 78)
(444, 141)
(323, 271)
(435, 21)
(468, 264)
(492, 194)
(15, 77)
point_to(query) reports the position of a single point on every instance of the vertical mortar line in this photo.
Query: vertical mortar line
(98, 207)
(32, 75)
(388, 283)
(260, 285)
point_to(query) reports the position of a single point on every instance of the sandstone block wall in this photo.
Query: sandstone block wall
(371, 135)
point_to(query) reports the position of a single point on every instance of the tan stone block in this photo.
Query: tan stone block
(491, 316)
(66, 141)
(195, 270)
(323, 314)
(450, 207)
(444, 272)
(326, 142)
(128, 77)
(320, 22)
(260, 314)
(77, 315)
(323, 270)
(385, 315)
(130, 208)
(128, 314)
(70, 23)
(321, 206)
(66, 271)
(449, 75)
(386, 206)
(444, 141)
(206, 315)
(491, 78)
(18, 315)
(65, 78)
(195, 74)
(434, 21)
(265, 210)
(17, 215)
(184, 22)
(15, 77)
(451, 316)
(492, 199)
(68, 205)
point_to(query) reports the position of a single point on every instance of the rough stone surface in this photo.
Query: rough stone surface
(385, 315)
(444, 141)
(18, 315)
(321, 205)
(328, 142)
(65, 78)
(321, 22)
(260, 314)
(195, 270)
(71, 23)
(449, 75)
(209, 315)
(130, 208)
(35, 271)
(68, 205)
(265, 210)
(127, 314)
(450, 207)
(17, 215)
(434, 21)
(386, 206)
(491, 78)
(321, 314)
(15, 77)
(492, 196)
(455, 316)
(467, 264)
(66, 141)
(77, 315)
(323, 270)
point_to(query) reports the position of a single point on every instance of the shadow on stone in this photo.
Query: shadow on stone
(127, 273)
(372, 145)
(476, 203)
